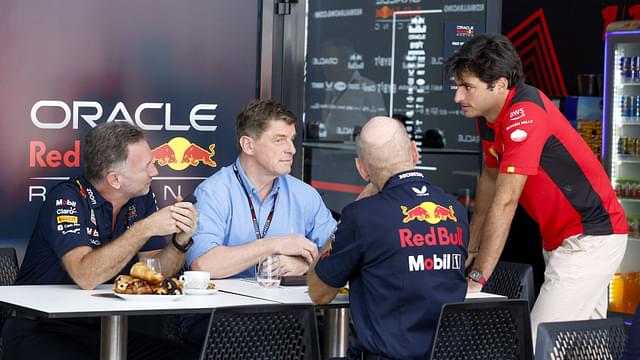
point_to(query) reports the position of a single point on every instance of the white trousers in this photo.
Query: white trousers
(576, 278)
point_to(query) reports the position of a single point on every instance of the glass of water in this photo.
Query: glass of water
(153, 264)
(268, 271)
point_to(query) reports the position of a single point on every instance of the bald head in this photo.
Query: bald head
(384, 149)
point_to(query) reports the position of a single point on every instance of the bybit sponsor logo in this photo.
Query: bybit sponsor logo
(92, 111)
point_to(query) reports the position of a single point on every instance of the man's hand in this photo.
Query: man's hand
(160, 223)
(296, 245)
(186, 218)
(292, 265)
(473, 286)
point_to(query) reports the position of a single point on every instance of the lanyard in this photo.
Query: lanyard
(256, 226)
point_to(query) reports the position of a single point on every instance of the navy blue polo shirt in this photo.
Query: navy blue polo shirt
(403, 252)
(75, 214)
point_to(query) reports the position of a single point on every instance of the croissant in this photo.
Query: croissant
(140, 270)
(141, 287)
(121, 285)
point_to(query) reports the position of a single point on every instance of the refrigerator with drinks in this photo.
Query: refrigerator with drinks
(621, 149)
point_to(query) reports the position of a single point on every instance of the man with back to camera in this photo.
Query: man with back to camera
(532, 155)
(91, 229)
(253, 208)
(402, 250)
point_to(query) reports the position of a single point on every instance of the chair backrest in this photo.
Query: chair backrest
(513, 280)
(8, 266)
(483, 330)
(263, 332)
(8, 273)
(584, 339)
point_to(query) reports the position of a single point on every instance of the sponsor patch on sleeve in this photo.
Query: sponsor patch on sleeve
(518, 135)
(511, 169)
(517, 114)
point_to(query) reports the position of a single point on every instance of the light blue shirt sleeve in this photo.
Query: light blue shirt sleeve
(319, 223)
(213, 219)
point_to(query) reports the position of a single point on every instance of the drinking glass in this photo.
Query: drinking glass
(153, 264)
(268, 272)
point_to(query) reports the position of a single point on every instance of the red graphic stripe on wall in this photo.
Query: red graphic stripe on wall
(534, 30)
(334, 186)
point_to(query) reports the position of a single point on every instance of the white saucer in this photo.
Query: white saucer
(200, 291)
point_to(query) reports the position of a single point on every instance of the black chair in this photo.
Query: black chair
(513, 280)
(584, 339)
(263, 332)
(8, 266)
(8, 273)
(483, 330)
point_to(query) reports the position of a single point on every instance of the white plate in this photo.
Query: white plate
(200, 291)
(149, 298)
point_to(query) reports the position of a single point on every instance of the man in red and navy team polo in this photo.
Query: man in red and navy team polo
(532, 155)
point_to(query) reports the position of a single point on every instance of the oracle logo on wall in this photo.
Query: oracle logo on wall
(69, 68)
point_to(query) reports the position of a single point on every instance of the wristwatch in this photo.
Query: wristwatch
(477, 276)
(182, 248)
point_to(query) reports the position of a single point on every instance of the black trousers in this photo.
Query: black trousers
(79, 339)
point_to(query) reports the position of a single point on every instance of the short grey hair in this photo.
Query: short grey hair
(106, 147)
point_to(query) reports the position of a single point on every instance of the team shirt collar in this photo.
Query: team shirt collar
(503, 112)
(403, 177)
(94, 199)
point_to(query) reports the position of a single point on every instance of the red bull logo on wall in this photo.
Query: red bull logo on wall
(179, 153)
(428, 211)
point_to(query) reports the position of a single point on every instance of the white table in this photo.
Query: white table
(336, 337)
(282, 294)
(69, 301)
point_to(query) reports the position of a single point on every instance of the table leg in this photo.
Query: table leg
(113, 337)
(336, 332)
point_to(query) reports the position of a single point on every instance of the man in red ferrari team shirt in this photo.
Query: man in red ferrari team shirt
(532, 155)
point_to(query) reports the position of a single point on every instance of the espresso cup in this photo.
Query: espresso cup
(195, 279)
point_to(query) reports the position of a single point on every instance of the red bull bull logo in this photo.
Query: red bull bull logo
(384, 12)
(179, 153)
(428, 211)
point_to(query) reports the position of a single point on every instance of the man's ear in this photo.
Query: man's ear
(361, 170)
(501, 84)
(113, 179)
(246, 144)
(415, 154)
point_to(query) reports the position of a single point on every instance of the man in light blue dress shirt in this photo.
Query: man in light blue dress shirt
(288, 216)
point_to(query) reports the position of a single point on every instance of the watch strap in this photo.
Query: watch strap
(182, 248)
(477, 276)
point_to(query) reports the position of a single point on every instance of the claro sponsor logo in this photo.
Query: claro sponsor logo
(60, 115)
